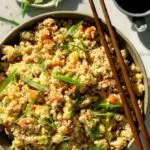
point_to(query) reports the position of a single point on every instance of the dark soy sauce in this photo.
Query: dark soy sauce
(134, 6)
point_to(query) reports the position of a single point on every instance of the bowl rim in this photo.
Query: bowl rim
(51, 4)
(133, 52)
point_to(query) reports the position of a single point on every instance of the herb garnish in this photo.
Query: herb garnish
(34, 84)
(107, 107)
(42, 65)
(29, 106)
(10, 78)
(72, 29)
(9, 21)
(24, 5)
(67, 79)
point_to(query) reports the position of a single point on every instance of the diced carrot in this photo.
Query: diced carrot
(61, 122)
(113, 99)
(72, 66)
(89, 30)
(23, 123)
(47, 41)
(14, 105)
(88, 116)
(45, 36)
(73, 89)
(55, 99)
(92, 57)
(34, 107)
(33, 94)
(57, 63)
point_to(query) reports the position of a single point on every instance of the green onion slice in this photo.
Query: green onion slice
(67, 79)
(34, 84)
(24, 6)
(108, 107)
(10, 78)
(28, 108)
(9, 21)
(72, 29)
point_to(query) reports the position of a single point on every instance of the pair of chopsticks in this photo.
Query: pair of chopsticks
(128, 84)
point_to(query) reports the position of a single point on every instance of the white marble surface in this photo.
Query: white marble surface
(141, 41)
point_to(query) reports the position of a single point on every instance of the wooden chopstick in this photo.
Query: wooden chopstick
(126, 77)
(113, 68)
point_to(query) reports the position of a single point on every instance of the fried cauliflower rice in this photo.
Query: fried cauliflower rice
(57, 90)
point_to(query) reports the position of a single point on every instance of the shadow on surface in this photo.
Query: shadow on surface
(144, 36)
(66, 5)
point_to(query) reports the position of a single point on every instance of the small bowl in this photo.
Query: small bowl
(13, 37)
(52, 3)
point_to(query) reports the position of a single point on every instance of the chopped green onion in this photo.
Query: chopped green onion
(82, 43)
(71, 44)
(34, 84)
(10, 78)
(42, 65)
(78, 98)
(24, 6)
(94, 132)
(65, 52)
(50, 122)
(65, 146)
(9, 21)
(28, 108)
(108, 107)
(80, 48)
(72, 29)
(67, 79)
(63, 45)
(95, 148)
(42, 139)
(90, 133)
